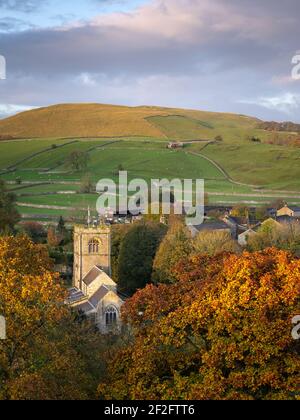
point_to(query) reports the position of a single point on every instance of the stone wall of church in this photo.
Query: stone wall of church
(83, 259)
(111, 299)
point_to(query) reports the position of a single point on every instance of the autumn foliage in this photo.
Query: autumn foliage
(223, 331)
(46, 354)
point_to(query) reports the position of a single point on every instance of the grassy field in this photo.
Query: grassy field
(15, 151)
(62, 200)
(135, 139)
(147, 159)
(276, 167)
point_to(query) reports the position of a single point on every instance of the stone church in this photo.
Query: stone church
(94, 292)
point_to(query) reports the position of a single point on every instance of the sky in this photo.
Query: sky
(217, 55)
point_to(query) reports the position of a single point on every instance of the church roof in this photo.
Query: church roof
(75, 295)
(85, 307)
(92, 275)
(98, 296)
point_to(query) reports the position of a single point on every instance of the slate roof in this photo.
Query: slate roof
(87, 304)
(248, 231)
(237, 220)
(212, 226)
(85, 307)
(92, 275)
(287, 219)
(98, 295)
(75, 295)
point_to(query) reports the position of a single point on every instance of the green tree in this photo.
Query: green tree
(118, 233)
(34, 230)
(176, 245)
(61, 226)
(87, 185)
(137, 253)
(9, 215)
(262, 213)
(77, 160)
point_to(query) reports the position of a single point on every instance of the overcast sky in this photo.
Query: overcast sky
(218, 55)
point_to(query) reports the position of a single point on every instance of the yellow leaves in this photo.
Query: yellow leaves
(226, 338)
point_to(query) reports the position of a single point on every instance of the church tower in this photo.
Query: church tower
(92, 247)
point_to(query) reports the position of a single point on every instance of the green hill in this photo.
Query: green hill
(249, 164)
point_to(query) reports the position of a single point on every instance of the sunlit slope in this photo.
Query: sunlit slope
(95, 120)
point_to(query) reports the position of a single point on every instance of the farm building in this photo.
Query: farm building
(175, 145)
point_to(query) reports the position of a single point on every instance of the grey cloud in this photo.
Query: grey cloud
(9, 24)
(207, 54)
(141, 44)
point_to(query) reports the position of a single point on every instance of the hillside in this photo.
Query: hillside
(277, 126)
(95, 120)
(235, 170)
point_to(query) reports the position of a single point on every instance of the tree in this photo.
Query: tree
(176, 245)
(77, 160)
(54, 239)
(222, 332)
(61, 226)
(34, 230)
(87, 185)
(45, 355)
(255, 139)
(240, 210)
(272, 234)
(62, 233)
(219, 138)
(212, 243)
(9, 215)
(118, 233)
(137, 253)
(278, 204)
(262, 213)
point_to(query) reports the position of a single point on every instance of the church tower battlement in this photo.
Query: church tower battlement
(92, 247)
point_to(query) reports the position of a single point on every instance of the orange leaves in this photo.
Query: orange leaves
(38, 360)
(222, 332)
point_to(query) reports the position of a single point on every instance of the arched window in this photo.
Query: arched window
(94, 246)
(111, 316)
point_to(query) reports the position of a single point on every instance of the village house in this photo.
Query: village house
(237, 225)
(210, 226)
(285, 220)
(244, 236)
(292, 211)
